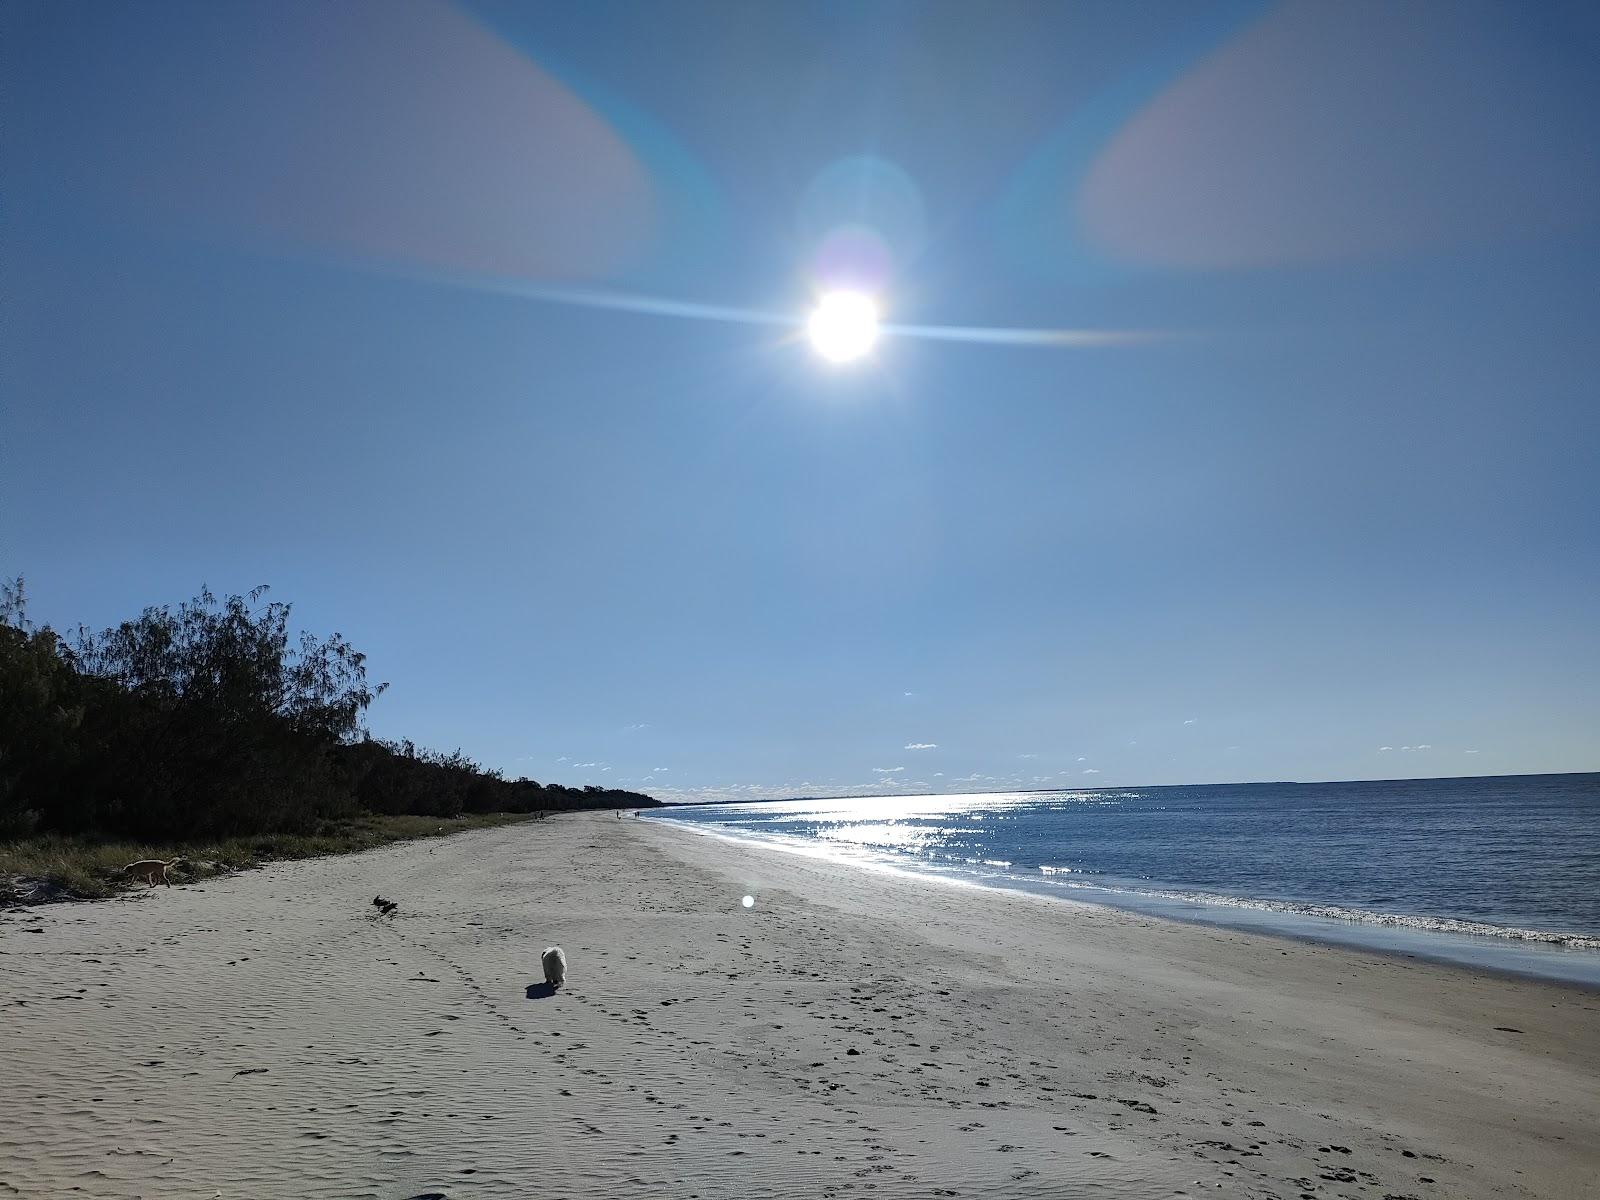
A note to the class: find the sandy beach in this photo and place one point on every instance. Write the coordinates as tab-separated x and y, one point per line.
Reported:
854	1033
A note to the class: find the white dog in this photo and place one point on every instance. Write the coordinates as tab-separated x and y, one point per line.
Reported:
554	962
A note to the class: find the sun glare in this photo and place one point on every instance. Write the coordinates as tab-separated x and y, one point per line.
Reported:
844	326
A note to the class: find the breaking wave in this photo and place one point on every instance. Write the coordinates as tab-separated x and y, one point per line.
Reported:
1336	912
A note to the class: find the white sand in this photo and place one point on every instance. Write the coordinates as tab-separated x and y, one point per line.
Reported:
269	1036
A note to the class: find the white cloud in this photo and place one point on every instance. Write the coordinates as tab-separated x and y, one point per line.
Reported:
636	728
605	768
1471	751
940	774
661	768
1191	721
1414	749
1092	771
1381	749
581	766
887	770
922	745
1027	756
909	693
1083	758
563	758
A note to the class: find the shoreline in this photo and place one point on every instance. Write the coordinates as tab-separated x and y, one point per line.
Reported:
852	1028
1546	958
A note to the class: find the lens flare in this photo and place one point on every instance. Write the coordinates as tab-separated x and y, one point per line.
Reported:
696	310
844	326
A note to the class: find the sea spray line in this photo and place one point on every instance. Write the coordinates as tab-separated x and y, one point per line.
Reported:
1337	912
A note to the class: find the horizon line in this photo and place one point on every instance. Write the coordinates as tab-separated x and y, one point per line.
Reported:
1122	787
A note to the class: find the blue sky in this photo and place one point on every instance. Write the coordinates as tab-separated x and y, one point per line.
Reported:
284	304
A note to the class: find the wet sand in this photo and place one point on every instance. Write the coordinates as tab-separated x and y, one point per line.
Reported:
854	1033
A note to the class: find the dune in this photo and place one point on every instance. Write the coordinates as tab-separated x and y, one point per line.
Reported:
852	1033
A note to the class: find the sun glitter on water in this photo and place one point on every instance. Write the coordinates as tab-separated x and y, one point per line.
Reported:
844	326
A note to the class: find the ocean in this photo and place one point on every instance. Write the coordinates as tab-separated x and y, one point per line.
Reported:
1497	872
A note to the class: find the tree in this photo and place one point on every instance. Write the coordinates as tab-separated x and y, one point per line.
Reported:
215	723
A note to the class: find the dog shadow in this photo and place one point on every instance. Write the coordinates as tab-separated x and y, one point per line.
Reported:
541	991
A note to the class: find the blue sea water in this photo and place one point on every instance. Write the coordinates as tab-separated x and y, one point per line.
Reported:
1500	872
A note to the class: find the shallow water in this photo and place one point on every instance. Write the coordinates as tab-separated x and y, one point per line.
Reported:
1500	872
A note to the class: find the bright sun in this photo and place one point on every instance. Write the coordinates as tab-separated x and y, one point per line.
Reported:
844	326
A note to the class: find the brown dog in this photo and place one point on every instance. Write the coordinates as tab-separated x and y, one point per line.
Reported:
150	870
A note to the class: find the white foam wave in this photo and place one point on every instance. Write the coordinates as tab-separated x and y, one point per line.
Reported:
1358	916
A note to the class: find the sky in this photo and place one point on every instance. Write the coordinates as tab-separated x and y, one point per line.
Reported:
475	330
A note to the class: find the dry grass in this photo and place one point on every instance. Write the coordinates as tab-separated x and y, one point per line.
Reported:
39	869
